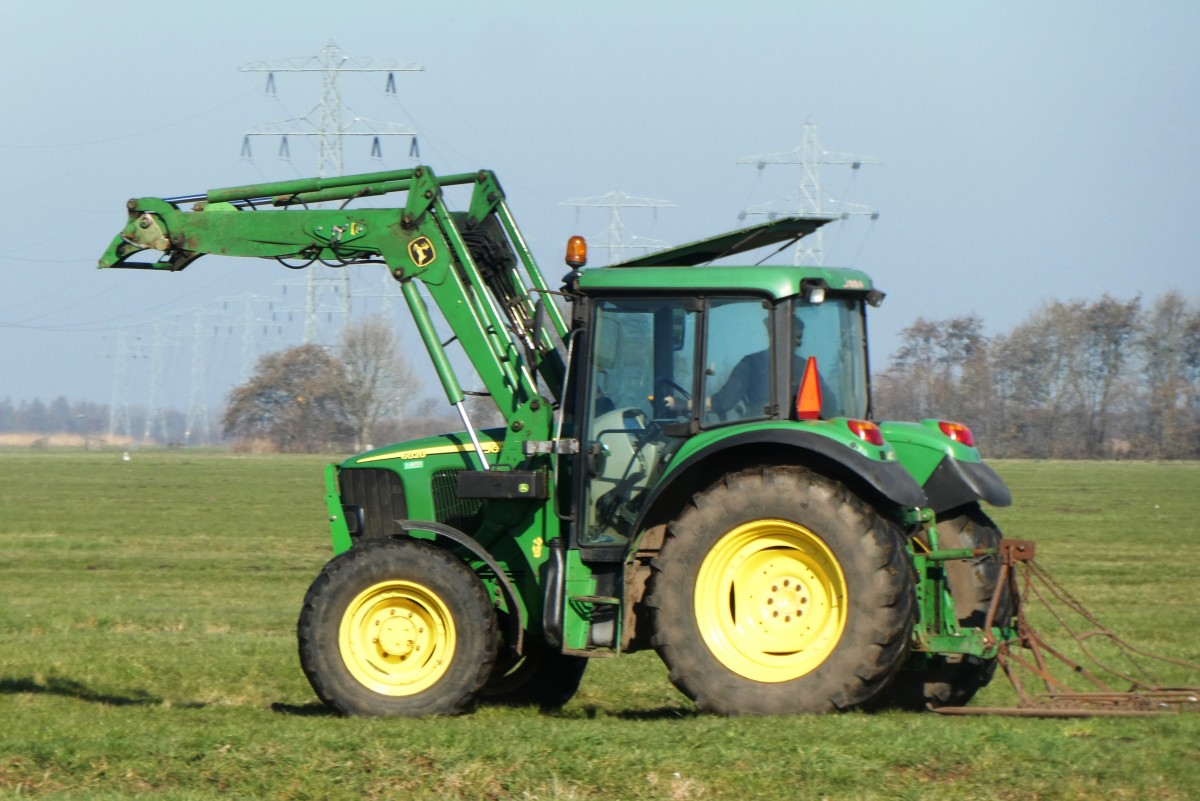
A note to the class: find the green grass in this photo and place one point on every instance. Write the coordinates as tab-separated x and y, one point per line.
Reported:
147	613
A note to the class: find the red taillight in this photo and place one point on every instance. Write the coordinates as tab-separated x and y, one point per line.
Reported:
866	431
808	399
957	432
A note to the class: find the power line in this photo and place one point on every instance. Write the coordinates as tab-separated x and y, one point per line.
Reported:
134	135
155	412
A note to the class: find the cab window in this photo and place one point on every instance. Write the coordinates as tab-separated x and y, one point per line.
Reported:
834	334
737	359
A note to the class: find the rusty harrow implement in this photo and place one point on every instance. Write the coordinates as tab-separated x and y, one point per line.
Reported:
1103	676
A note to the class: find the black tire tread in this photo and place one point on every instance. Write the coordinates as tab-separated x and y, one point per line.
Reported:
870	650
410	559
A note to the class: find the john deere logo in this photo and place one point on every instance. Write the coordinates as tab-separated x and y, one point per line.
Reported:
421	251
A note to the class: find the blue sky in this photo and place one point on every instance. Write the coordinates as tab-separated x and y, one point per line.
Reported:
1029	151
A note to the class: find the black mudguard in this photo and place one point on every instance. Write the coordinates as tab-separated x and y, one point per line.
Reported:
515	623
954	483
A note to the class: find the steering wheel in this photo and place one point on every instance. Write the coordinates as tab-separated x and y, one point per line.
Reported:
665	404
680	391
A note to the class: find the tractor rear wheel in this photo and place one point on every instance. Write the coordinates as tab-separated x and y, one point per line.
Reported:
397	627
971	583
778	591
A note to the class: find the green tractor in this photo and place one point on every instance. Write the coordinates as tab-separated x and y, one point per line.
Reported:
687	463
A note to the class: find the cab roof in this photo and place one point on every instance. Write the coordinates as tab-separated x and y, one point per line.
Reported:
703	251
662	269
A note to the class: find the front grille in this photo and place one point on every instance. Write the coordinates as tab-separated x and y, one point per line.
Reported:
378	493
464	514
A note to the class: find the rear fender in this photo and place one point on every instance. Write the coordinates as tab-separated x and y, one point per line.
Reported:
885	484
951	473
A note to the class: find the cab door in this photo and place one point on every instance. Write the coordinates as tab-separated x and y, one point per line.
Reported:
640	382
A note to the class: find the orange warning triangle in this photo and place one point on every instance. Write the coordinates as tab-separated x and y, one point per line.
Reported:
808	399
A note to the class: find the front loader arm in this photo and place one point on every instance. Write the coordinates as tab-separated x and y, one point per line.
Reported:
225	230
491	310
211	227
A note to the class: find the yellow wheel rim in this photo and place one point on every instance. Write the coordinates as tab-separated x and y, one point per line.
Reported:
771	600
397	638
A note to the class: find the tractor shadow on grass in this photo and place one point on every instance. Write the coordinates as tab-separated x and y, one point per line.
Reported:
658	713
313	710
69	688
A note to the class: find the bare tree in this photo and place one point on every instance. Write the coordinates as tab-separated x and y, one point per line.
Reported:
1076	379
312	398
1108	328
378	381
1026	391
1058	376
941	370
1169	346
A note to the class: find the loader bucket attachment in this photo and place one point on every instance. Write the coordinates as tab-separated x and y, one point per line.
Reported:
146	230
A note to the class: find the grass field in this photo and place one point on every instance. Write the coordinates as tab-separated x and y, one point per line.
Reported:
147	613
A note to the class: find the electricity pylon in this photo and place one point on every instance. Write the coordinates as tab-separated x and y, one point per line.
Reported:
616	238
196	422
331	112
118	407
810	201
331	126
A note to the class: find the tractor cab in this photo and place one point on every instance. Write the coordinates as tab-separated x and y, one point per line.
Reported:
679	350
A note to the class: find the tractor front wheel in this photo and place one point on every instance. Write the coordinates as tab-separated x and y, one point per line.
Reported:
397	627
778	591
